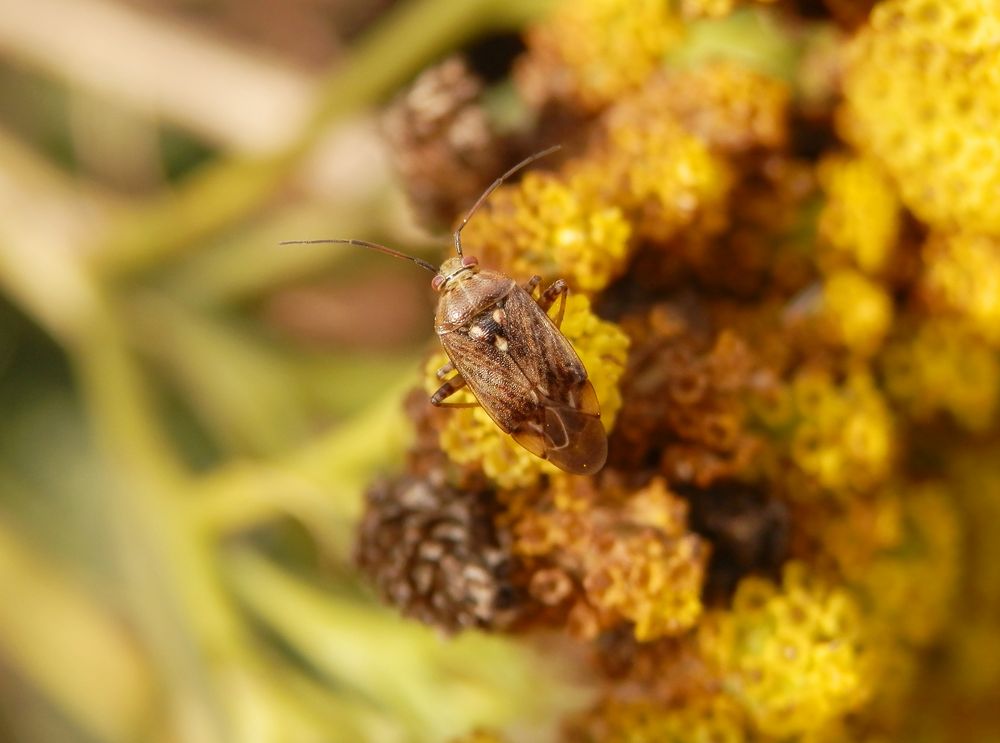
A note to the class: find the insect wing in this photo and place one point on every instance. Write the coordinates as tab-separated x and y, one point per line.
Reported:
567	427
491	374
530	381
575	441
542	353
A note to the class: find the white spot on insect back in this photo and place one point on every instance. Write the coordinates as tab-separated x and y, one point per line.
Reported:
501	343
476	332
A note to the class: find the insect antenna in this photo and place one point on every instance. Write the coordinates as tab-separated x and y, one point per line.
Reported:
371	246
496	184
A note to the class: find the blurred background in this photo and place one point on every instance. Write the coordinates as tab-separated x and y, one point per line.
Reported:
777	223
189	411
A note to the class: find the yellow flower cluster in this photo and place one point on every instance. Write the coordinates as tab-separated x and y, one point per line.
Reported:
809	319
732	108
860	219
552	226
843	437
651	576
923	98
962	275
647	178
715	719
944	367
795	657
661	175
590	53
856	312
632	560
470	436
900	551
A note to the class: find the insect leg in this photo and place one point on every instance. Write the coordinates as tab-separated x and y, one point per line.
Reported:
532	284
446	390
445	370
558	290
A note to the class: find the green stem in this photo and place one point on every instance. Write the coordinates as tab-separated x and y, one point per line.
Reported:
320	484
437	689
48	625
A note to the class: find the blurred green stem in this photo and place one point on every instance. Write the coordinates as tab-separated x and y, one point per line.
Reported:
320	483
223	194
49	625
438	689
175	599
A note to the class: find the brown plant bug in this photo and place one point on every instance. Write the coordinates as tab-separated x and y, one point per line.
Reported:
503	345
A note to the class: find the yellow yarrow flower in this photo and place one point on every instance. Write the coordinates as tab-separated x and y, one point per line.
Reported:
856	312
663	177
794	656
553	227
962	273
651	574
844	437
471	436
714	719
923	97
944	367
591	52
859	223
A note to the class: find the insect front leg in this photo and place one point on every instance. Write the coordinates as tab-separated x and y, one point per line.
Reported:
532	284
445	370
558	290
449	388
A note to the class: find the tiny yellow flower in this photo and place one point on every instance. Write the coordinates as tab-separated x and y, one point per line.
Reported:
859	223
794	656
554	227
923	98
944	367
591	52
844	439
857	312
962	273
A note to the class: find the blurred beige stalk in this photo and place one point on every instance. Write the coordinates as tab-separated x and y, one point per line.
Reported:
241	99
48	624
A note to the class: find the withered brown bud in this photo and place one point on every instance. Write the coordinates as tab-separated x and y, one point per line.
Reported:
442	142
435	553
748	532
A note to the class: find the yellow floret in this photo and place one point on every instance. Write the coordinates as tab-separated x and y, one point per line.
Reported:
663	177
857	312
471	436
962	273
923	98
651	574
900	551
859	223
844	437
715	719
945	367
632	555
552	227
591	52
727	105
795	657
654	584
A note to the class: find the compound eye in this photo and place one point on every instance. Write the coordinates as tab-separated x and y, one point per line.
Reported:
437	282
469	261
